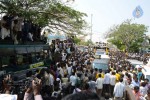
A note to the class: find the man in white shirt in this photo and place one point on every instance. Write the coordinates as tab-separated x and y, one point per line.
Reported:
107	82
51	78
73	81
119	90
112	83
69	69
61	72
8	97
64	55
99	85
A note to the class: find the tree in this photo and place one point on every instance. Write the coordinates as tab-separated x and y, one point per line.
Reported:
53	13
77	40
127	36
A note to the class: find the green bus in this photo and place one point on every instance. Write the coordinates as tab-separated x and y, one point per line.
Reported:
20	57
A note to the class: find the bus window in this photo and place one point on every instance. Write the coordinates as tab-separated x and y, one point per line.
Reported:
19	59
33	57
5	61
25	58
30	58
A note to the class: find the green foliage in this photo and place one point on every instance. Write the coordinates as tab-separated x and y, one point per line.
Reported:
127	36
86	43
53	13
77	40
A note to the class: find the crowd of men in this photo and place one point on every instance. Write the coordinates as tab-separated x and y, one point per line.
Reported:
18	29
72	77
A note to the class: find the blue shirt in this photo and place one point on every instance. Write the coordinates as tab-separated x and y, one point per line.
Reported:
135	83
139	75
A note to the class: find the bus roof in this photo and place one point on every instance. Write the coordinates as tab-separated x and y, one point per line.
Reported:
104	61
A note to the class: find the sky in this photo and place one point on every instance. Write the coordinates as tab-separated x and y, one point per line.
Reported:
107	13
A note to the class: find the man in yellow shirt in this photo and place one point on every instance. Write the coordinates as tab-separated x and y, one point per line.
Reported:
117	76
100	72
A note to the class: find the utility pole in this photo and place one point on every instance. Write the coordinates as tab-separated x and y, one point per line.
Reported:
91	27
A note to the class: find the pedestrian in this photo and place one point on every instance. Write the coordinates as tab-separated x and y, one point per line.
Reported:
99	85
112	83
147	96
119	90
143	89
73	81
106	82
135	82
137	93
92	85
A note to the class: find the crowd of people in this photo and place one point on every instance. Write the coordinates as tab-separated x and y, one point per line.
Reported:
18	29
129	75
72	77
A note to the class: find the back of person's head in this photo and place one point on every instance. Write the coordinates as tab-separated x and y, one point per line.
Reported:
108	71
73	73
91	71
121	80
100	70
126	74
99	75
143	84
146	80
136	88
90	78
117	71
86	86
129	76
96	69
79	75
42	72
113	73
87	71
82	96
65	75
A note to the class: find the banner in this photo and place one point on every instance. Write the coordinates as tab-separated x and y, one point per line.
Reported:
36	65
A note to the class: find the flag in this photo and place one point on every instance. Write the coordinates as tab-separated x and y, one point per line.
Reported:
138	12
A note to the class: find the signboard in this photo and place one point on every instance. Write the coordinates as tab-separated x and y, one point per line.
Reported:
36	65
